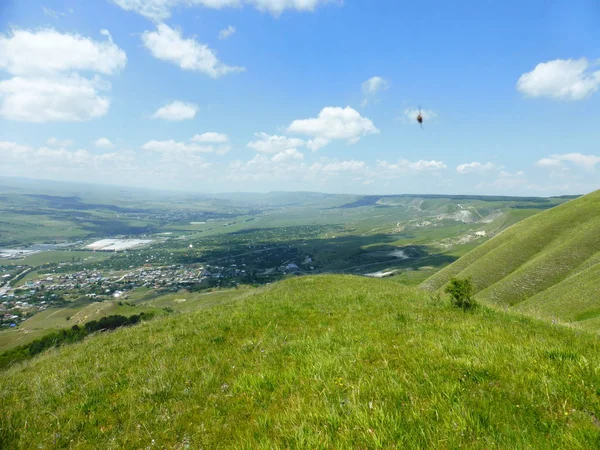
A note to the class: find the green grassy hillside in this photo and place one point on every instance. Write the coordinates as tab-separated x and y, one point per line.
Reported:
314	362
548	264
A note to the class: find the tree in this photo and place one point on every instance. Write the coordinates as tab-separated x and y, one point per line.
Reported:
461	292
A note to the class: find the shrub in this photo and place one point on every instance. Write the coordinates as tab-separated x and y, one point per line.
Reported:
461	292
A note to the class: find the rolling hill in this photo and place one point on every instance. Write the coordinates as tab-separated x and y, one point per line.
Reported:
314	362
547	265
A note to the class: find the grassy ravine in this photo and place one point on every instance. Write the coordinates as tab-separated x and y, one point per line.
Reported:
547	265
314	362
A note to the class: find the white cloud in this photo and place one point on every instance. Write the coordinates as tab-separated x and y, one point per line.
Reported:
372	87
561	80
185	149
339	166
549	162
317	143
50	159
167	44
12	148
276	7
47	85
50	12
31	53
334	123
103	143
475	167
506	181
176	111
211	137
55	14
273	144
410	115
289	166
288	155
71	98
404	166
587	162
171	146
227	32
54	142
159	10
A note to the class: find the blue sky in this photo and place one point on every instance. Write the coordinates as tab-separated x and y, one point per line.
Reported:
258	95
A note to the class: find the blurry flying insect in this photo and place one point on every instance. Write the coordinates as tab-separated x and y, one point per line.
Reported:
420	118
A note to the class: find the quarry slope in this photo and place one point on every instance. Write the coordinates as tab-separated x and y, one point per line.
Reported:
314	362
546	265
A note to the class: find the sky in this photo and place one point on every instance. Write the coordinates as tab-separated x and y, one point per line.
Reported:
312	95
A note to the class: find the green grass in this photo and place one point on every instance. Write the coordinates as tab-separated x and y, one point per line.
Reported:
547	264
54	318
139	300
314	362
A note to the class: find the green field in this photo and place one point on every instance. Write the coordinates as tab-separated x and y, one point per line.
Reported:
547	265
314	362
53	319
139	300
54	257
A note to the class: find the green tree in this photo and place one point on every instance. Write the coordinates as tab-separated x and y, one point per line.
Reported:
461	292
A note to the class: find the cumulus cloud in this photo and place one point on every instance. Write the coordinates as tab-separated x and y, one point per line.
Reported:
285	165
171	146
176	111
475	167
506	181
290	154
587	162
272	144
289	166
334	123
46	51
124	167
560	80
404	166
46	84
168	45
339	166
12	148
51	158
55	142
211	137
372	87
103	143
159	10
227	32
71	98
185	149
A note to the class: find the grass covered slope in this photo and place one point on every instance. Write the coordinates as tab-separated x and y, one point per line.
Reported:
560	245
314	362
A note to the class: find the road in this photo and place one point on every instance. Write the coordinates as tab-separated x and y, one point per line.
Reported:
4	289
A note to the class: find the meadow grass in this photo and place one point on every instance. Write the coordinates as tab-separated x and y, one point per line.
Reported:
56	318
545	262
314	362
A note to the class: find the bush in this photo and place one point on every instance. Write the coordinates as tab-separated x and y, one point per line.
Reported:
461	292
